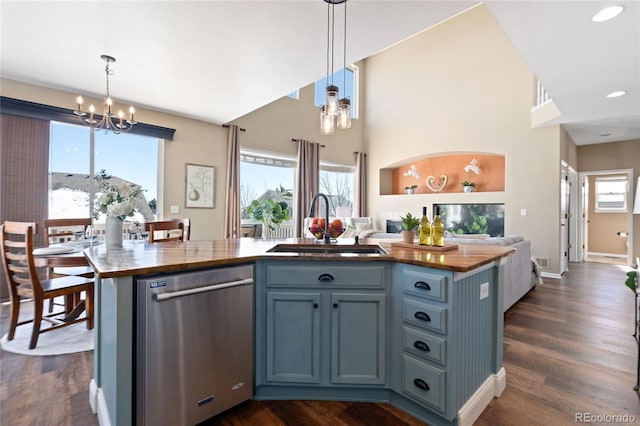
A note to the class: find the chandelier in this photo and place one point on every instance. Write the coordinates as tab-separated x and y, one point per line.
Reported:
335	111
109	120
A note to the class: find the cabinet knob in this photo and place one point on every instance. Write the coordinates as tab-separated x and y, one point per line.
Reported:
335	305
325	277
422	346
421	384
422	285
315	306
422	316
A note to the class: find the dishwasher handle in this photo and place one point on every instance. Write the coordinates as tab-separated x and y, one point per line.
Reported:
161	297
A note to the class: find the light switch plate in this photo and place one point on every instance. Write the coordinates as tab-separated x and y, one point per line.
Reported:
484	290
175	209
523	212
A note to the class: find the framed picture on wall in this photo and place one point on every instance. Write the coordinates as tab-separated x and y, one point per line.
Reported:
200	186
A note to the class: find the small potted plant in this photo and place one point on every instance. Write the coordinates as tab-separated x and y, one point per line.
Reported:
412	173
411	189
472	167
468	186
409	222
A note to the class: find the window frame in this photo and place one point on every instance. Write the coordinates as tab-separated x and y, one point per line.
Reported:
598	207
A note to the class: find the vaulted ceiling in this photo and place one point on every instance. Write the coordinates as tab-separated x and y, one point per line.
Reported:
219	60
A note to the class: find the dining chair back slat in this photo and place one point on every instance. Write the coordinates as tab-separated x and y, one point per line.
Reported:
165	230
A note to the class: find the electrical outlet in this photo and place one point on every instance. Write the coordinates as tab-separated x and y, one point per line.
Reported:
523	212
484	290
175	209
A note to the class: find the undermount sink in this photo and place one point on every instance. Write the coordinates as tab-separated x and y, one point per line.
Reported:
328	249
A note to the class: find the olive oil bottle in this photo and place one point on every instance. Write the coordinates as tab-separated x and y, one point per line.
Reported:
424	231
437	229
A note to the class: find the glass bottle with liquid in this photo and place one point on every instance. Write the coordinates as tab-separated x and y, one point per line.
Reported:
437	229
424	230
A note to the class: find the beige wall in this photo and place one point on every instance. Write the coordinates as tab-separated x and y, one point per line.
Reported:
194	142
614	156
568	150
462	87
272	127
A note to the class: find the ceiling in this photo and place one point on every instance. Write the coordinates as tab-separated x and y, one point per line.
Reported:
219	60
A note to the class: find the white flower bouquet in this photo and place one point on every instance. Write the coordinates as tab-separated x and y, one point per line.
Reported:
115	200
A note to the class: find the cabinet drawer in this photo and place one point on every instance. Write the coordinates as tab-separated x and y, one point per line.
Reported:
425	316
323	276
423	382
424	284
424	345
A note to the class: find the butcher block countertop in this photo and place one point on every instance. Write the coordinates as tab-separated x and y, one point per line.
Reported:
137	258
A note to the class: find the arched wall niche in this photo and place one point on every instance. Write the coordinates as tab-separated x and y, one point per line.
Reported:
394	178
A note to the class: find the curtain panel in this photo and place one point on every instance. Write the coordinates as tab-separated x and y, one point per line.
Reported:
24	175
307	181
360	192
232	194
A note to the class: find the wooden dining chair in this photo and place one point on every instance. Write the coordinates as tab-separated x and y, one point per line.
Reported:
168	230
63	230
16	245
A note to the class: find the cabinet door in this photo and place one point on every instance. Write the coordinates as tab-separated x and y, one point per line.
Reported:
293	337
358	338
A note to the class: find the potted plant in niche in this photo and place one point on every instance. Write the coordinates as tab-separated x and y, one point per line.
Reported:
472	167
413	174
409	223
271	211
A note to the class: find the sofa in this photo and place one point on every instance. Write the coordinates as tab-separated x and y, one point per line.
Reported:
520	272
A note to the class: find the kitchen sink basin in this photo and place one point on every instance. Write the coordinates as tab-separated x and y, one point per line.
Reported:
328	249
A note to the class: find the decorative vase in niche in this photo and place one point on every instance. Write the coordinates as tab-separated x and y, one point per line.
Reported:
468	188
410	191
113	232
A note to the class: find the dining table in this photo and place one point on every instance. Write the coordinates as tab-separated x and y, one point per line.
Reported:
65	255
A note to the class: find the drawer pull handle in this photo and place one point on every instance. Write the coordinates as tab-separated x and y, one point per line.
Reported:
325	277
422	285
422	316
422	346
421	384
315	306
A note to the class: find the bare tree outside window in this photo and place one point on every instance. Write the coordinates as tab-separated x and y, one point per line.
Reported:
339	189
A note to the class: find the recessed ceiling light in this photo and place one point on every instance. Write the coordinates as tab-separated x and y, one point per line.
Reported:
617	94
607	13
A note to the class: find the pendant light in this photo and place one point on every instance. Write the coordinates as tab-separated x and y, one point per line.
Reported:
109	121
331	108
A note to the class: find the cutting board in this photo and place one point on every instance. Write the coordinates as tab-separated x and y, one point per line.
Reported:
446	247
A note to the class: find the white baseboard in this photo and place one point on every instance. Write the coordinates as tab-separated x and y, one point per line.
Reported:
551	275
93	396
594	253
98	404
492	387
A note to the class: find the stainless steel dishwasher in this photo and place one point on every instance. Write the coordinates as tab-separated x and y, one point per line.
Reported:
194	344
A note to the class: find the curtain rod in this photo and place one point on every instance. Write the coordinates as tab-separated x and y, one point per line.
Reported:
298	140
239	128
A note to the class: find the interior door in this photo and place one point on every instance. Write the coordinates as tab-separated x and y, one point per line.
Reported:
564	220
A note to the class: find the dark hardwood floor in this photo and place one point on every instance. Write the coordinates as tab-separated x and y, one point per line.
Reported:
568	348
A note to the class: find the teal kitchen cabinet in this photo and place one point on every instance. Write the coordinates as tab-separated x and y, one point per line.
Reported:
324	323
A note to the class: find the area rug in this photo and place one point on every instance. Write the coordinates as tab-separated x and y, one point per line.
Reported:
66	340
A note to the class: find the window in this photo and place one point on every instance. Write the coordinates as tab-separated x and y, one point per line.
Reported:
339	80
260	174
337	181
294	95
611	194
130	157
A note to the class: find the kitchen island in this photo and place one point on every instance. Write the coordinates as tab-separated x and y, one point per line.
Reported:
419	329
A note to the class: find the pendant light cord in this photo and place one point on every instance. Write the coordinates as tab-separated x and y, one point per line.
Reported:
344	52
328	29
333	37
